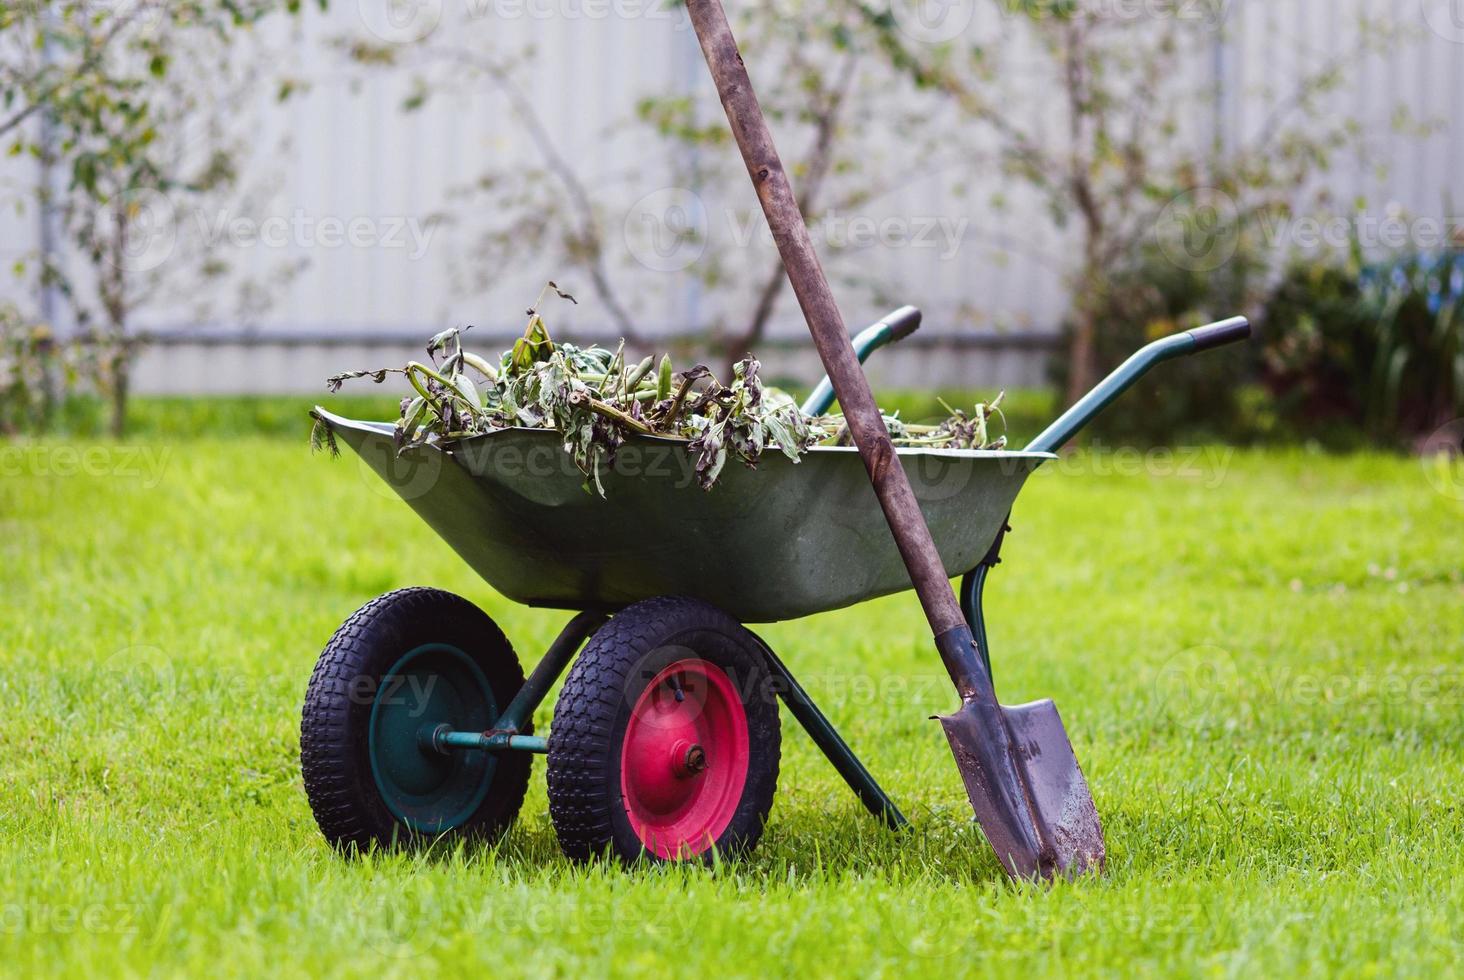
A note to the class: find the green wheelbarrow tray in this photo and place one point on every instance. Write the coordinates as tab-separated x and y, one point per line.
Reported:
777	542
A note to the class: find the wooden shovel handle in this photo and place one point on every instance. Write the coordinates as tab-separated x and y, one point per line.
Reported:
825	322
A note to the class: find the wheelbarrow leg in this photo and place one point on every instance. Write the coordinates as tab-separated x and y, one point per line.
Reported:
550	666
973	586
833	746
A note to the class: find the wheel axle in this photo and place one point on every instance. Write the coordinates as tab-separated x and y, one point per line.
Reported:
688	760
443	738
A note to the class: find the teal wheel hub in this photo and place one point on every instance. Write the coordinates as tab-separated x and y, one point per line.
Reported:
434	685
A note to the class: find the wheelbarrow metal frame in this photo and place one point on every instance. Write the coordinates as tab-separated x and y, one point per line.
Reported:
504	734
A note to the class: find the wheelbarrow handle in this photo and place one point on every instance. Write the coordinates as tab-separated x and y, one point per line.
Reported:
895	326
1222	333
1085	409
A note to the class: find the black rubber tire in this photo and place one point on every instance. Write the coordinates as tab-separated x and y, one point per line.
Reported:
594	706
334	726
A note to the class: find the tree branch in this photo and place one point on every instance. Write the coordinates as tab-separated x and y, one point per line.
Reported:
93	56
587	225
817	165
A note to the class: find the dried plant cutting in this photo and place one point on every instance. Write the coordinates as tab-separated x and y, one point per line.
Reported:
596	399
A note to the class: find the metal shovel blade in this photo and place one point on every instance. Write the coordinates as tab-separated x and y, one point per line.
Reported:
1026	788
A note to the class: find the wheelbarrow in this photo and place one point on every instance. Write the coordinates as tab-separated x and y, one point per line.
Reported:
665	738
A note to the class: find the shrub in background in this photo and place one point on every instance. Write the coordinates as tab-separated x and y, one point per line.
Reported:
1190	398
22	373
1348	353
38	376
1318	340
1417	378
1375	352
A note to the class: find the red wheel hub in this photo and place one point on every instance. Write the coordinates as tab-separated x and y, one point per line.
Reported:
684	762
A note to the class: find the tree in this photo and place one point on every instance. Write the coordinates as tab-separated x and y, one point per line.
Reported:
1087	107
125	98
1124	159
822	86
821	83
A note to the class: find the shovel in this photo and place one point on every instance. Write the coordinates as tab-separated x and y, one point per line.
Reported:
1017	763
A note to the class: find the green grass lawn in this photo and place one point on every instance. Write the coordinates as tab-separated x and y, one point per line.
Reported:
1260	660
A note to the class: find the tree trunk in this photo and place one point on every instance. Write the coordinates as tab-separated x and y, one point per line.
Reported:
121	378
1080	351
114	300
1084	117
1088	301
817	166
734	348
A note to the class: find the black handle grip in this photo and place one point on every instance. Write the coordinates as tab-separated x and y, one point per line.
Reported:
1220	334
902	323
